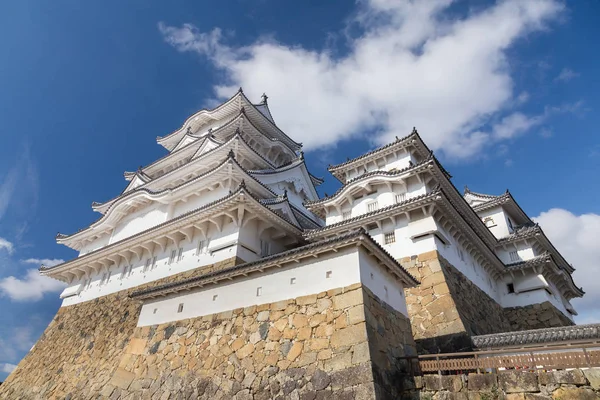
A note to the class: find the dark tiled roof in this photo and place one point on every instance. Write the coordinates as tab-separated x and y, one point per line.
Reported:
247	267
521	232
482	195
413	134
538	336
532	261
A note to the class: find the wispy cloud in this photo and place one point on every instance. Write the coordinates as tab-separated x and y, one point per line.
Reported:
21	180
566	75
369	87
6	245
47	262
31	287
7	368
576	237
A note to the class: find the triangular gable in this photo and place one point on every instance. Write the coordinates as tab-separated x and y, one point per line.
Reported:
284	209
187	139
208	145
136	182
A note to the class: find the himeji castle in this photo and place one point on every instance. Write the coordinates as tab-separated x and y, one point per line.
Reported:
219	270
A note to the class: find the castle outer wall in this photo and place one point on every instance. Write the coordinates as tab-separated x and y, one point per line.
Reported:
446	309
341	342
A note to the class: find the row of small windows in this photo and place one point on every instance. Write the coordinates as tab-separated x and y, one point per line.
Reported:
259	291
374	205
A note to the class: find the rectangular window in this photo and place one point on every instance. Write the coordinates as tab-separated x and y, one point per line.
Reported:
259	291
389	238
400	197
514	256
265	248
292	281
215	296
180	254
148	264
328	274
180	308
372	206
153	262
346	215
510	287
172	257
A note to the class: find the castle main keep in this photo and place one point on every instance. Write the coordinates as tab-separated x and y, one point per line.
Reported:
220	273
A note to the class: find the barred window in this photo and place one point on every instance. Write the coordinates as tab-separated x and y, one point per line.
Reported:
346	215
400	197
389	238
180	254
173	255
373	206
514	256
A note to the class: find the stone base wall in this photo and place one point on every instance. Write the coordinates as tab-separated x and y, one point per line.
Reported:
510	385
389	338
343	343
446	309
536	316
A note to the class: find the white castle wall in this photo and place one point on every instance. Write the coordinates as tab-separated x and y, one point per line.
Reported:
400	161
309	276
382	195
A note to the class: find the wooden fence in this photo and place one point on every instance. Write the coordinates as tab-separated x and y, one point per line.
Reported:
542	358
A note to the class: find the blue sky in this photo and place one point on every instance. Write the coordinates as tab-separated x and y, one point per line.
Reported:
506	93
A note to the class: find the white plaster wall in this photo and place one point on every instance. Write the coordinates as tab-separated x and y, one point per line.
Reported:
139	221
500	227
400	161
383	197
404	246
310	277
523	251
529	282
95	244
162	269
198	201
530	297
388	288
469	266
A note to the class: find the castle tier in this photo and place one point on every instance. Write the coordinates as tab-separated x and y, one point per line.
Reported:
218	272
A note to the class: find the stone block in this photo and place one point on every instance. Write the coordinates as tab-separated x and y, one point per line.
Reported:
432	382
518	381
429	255
295	351
136	346
347	299
593	375
349	336
572	377
351	376
452	383
432	280
122	378
568	393
360	353
482	382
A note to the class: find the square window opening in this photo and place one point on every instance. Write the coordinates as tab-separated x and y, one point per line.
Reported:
328	274
292	281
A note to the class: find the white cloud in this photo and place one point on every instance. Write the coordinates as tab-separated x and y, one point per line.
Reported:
31	288
5	244
566	75
7	368
413	65
576	237
47	262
